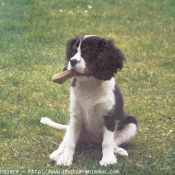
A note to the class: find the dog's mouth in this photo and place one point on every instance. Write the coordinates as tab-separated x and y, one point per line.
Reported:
87	72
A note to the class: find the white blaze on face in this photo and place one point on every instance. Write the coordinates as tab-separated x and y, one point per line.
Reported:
81	65
86	36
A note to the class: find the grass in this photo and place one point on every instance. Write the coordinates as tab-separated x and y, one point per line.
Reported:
32	48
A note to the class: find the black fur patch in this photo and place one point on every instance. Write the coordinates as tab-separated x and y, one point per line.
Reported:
130	119
109	122
70	49
109	60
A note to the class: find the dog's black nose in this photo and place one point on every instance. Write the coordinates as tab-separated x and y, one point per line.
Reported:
73	62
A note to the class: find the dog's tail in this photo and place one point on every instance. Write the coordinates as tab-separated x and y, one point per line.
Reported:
51	123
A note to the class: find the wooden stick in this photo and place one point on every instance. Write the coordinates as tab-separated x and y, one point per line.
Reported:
63	76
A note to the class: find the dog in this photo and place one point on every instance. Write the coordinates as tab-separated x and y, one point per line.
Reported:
96	104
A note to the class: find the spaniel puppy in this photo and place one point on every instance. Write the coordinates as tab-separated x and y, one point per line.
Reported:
96	103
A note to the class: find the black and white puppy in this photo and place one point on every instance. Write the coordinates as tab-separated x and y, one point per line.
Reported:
96	103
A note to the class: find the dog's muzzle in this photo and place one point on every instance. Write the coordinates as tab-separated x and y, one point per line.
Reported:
73	62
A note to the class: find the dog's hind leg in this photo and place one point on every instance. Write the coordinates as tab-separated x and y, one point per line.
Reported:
124	134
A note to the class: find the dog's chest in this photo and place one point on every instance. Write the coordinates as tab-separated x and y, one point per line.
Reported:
94	100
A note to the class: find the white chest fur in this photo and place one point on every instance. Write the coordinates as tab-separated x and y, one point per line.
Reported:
91	100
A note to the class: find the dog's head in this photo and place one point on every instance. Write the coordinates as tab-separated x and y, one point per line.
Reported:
93	56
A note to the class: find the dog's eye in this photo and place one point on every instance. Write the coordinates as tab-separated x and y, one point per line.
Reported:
74	47
85	48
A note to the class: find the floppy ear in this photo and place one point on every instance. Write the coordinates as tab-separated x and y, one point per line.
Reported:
69	51
109	61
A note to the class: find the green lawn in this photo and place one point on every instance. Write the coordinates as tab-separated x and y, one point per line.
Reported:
33	34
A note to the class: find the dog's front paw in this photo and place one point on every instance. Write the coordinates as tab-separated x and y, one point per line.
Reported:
108	161
62	158
55	154
120	151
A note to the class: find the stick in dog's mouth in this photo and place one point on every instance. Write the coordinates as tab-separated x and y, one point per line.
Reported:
67	74
63	76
